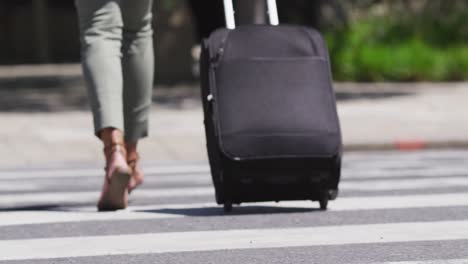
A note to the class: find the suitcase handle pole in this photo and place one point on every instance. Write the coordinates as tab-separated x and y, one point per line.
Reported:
273	12
229	13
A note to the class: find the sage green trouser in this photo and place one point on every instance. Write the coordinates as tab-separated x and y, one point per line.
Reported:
118	63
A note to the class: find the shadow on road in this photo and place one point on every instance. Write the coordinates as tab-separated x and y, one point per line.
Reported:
241	210
42	94
56	94
195	212
47	206
41	207
370	95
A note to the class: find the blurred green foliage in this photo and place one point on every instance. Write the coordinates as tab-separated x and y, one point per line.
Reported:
169	5
386	40
395	41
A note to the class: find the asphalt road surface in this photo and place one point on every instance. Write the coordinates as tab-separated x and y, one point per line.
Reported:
394	207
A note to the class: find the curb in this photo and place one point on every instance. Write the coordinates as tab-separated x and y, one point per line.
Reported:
410	145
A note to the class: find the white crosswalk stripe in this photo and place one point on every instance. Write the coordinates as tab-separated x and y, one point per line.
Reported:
89	196
41	217
62	200
402	173
134	212
202	170
440	261
403	184
80	172
20	186
231	239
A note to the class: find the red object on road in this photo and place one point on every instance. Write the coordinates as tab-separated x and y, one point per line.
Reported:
410	144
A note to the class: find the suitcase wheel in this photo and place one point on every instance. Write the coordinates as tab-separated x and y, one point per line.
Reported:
227	206
324	201
323	204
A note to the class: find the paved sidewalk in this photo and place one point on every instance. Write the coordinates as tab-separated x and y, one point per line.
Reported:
51	122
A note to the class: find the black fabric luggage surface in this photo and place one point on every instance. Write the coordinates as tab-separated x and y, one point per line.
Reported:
270	114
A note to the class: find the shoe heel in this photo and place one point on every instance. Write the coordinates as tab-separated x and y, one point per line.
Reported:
116	197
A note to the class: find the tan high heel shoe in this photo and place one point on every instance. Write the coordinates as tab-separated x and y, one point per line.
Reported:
137	174
114	195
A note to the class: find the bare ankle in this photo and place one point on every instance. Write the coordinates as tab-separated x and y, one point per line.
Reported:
114	146
131	146
110	134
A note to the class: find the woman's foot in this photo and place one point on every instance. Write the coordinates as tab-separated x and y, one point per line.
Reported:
133	159
114	195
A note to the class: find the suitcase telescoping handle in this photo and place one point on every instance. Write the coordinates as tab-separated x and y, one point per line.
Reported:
229	13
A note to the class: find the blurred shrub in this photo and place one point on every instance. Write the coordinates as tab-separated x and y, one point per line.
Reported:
403	43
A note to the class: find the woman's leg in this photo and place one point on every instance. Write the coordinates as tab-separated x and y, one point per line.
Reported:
138	71
137	66
101	36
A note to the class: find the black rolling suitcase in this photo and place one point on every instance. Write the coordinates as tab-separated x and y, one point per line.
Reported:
271	122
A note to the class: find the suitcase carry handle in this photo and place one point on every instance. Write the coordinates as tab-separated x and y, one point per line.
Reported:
229	13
